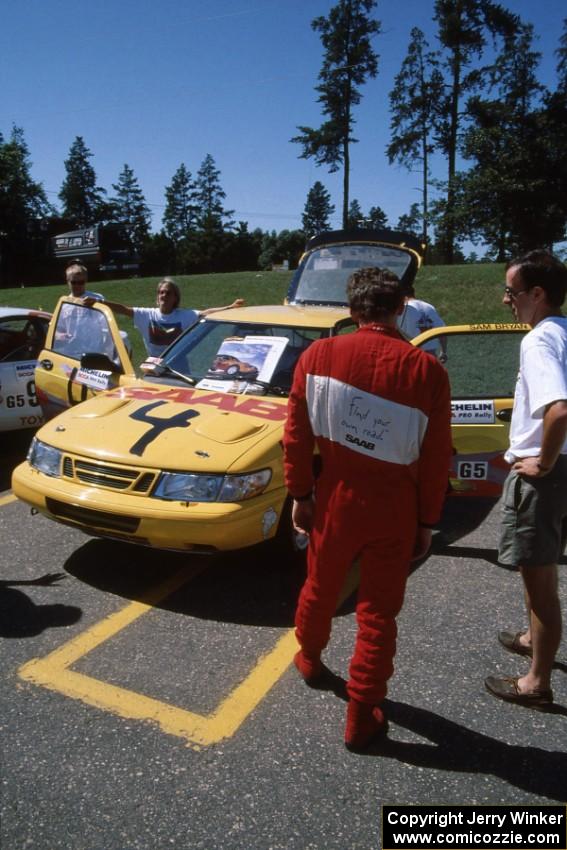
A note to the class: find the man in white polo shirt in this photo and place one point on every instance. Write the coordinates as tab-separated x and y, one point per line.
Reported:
535	492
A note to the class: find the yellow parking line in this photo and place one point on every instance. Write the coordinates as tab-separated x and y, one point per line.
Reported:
198	730
5	500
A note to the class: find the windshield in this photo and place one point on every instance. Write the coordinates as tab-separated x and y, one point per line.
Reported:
323	278
233	356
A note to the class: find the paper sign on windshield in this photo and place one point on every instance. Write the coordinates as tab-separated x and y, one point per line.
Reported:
243	360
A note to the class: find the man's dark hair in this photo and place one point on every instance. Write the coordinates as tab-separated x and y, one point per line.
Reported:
374	294
542	268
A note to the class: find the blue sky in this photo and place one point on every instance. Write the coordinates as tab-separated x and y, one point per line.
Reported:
157	84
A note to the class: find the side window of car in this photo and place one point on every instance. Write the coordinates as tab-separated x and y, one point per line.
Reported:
480	365
18	340
80	330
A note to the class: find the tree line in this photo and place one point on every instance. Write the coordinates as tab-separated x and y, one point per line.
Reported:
473	102
475	99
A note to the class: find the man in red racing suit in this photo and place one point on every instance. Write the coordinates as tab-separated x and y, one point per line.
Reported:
378	410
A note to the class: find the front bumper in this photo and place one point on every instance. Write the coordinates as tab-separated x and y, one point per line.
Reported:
178	526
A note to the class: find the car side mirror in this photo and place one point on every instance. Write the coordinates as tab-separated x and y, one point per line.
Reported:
100	363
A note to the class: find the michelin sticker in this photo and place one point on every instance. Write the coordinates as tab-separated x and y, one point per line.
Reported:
93	378
472	412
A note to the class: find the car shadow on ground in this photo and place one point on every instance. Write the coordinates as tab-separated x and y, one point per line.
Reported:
255	586
455	748
249	587
461	516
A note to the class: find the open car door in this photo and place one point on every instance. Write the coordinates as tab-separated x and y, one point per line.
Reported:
78	333
482	361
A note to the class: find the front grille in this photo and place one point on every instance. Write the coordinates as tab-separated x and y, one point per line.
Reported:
107	475
86	516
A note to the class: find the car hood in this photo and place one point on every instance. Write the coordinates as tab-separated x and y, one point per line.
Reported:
171	428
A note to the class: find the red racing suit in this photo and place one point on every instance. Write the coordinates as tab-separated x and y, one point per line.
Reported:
378	410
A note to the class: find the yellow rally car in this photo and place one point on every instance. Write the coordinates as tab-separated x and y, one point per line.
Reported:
188	460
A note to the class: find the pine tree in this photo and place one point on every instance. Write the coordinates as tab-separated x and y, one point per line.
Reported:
349	60
411	222
561	54
209	198
509	196
130	207
318	209
414	100
83	201
463	26
21	197
355	217
376	218
180	214
22	200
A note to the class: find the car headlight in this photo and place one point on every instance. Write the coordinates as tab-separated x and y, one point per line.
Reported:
45	458
191	487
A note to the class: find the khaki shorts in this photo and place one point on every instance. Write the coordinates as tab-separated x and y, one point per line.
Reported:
534	514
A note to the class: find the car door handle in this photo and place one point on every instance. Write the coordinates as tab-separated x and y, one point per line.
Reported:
46	364
505	415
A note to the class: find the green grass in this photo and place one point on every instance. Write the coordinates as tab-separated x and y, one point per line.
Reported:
462	294
465	294
198	291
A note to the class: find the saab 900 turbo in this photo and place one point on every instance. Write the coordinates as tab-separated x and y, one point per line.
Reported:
189	457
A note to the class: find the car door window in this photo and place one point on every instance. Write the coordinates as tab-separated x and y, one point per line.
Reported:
21	338
80	330
481	365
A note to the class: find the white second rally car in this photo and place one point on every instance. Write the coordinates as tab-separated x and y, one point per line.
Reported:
22	337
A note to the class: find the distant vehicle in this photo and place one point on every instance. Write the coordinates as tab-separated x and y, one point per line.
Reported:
22	337
330	258
104	247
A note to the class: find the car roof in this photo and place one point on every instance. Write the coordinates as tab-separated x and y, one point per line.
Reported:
395	238
16	312
295	315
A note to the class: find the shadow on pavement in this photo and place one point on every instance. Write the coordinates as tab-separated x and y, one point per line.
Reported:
255	586
21	617
458	749
461	515
15	445
249	587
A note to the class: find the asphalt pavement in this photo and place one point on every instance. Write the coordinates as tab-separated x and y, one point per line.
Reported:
165	712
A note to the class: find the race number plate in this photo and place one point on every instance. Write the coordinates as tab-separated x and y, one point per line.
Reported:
472	469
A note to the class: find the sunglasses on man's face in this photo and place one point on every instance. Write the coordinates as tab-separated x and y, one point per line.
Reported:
513	293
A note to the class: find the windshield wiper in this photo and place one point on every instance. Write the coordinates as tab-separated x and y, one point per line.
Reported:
268	388
161	369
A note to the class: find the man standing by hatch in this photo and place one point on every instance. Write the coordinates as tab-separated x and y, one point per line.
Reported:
379	411
534	500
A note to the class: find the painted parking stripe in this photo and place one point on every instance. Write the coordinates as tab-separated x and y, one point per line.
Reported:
5	500
54	672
